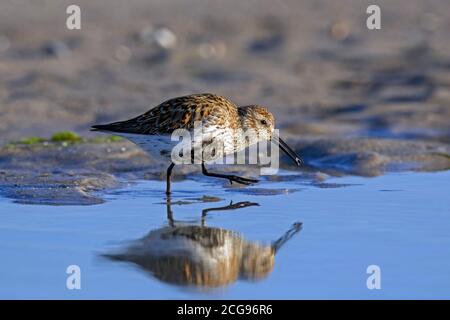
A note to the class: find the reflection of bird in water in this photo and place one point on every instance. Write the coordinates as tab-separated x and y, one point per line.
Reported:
202	256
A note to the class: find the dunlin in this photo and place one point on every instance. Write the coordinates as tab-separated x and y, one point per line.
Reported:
222	124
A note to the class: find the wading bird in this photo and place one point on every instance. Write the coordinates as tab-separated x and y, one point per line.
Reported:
223	123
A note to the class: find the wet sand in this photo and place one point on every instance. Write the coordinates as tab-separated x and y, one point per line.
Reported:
351	101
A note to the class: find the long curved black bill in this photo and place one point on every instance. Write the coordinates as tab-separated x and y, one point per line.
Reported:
296	227
286	149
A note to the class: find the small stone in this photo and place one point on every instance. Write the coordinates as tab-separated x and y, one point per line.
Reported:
165	38
57	49
162	37
340	30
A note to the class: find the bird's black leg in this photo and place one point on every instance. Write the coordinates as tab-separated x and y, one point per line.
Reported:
231	206
170	212
229	177
169	174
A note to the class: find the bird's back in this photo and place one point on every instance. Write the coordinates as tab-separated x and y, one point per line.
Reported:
180	113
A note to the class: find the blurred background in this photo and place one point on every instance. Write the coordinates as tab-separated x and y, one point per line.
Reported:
313	63
349	100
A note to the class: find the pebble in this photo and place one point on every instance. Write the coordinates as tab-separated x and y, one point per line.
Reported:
165	38
57	49
162	36
340	30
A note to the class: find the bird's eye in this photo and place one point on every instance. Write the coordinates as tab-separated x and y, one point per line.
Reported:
264	122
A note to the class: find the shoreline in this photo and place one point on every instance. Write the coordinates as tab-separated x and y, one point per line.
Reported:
61	173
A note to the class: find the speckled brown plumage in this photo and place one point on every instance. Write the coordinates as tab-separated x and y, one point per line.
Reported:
180	113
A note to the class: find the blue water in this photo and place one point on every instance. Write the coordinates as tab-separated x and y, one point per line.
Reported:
399	222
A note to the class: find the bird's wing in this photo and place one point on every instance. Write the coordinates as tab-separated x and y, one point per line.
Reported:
176	113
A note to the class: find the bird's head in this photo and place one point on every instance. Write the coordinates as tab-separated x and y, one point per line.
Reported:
257	120
259	125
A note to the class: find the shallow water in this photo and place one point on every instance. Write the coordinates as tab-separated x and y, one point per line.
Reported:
399	222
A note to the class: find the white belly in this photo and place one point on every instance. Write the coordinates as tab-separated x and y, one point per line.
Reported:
157	146
162	146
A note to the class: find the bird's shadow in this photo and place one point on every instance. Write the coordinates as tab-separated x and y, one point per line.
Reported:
195	255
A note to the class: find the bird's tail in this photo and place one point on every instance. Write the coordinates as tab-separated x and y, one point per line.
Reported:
101	127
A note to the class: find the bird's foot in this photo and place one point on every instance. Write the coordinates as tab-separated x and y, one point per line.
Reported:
241	180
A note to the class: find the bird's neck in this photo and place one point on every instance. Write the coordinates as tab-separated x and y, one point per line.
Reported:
245	136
